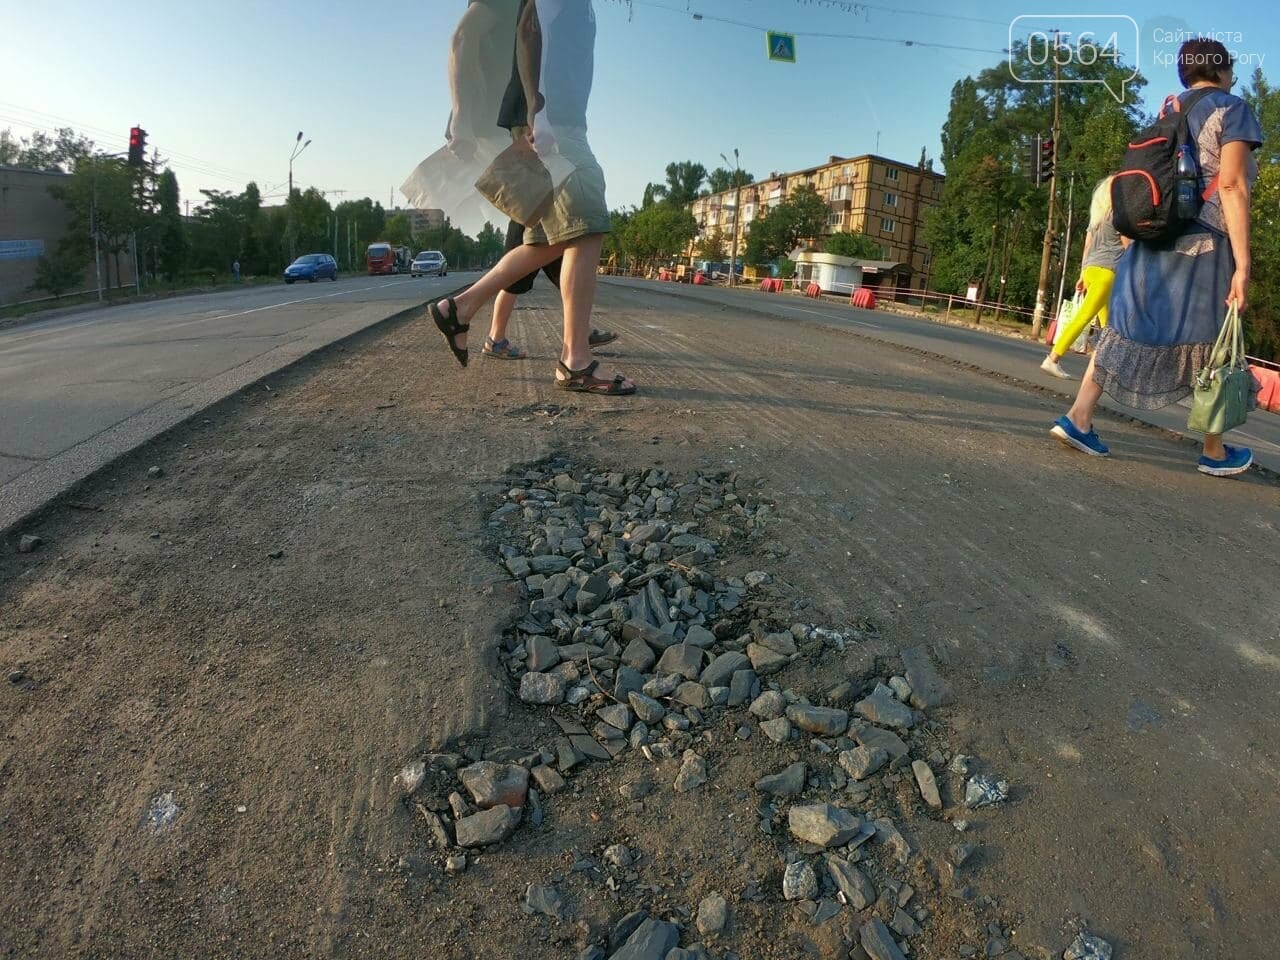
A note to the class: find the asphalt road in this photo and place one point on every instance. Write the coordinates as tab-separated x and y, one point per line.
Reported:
79	390
1007	356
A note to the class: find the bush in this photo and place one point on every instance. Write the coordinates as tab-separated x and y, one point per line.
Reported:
786	269
58	274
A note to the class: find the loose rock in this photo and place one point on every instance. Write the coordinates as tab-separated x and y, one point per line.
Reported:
823	824
862	762
878	941
788	783
543	689
693	772
927	784
488	826
881	708
1087	947
769	705
713	915
982	791
491	784
779	730
652	940
799	882
824	721
852	882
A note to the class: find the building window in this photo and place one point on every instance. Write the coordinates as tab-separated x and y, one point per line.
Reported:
840	192
886	224
890	199
835	219
891	173
885	252
928	258
846	172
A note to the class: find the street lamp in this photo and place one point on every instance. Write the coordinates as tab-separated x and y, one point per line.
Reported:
297	151
737	216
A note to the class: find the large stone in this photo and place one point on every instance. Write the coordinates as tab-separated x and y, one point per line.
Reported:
721	670
878	941
740	687
765	661
683	659
824	721
823	824
692	694
410	777
1087	947
928	689
693	772
713	915
542	688
799	882
788	783
768	705
639	655
616	715
542	653
889	835
782	643
548	779
886	740
882	708
493	783
487	826
778	729
852	882
927	784
544	899
863	762
627	680
652	940
549	564
700	636
647	709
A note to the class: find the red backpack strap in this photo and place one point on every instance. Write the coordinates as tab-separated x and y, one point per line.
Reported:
1211	189
1164	107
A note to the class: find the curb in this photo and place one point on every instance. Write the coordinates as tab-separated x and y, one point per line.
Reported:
72	469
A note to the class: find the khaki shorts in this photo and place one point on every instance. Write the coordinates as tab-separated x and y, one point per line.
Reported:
579	208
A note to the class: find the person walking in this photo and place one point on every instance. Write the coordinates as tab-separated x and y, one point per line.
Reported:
1170	298
1103	246
235	271
563	33
514	117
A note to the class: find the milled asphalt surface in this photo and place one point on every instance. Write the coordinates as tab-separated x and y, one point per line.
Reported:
79	390
1007	356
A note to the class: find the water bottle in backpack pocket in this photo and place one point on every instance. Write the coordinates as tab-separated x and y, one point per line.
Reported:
1156	193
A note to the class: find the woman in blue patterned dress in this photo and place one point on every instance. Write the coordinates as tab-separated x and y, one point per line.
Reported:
1170	298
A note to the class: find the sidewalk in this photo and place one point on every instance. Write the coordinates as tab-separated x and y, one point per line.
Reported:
1009	357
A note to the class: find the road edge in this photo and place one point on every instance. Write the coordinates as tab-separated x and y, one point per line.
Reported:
40	505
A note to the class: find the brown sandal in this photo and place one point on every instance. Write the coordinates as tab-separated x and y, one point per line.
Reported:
585	381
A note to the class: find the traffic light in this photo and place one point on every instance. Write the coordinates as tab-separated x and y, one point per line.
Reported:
137	146
1055	246
1046	160
1031	160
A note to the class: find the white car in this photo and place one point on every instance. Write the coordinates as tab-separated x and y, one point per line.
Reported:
429	262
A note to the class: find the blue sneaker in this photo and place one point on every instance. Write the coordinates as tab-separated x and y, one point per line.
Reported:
1072	436
1237	460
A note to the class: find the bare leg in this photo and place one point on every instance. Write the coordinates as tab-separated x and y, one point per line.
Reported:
578	294
503	304
518	263
1081	412
1213	448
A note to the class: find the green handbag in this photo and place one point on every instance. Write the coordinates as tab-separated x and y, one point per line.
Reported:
1220	394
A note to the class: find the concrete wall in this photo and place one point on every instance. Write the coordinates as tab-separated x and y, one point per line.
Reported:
32	222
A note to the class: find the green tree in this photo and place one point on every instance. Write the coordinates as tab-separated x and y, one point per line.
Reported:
683	186
659	233
719	180
856	245
1265	101
58	153
713	247
490	243
171	234
366	219
115	186
801	216
60	273
396	231
992	118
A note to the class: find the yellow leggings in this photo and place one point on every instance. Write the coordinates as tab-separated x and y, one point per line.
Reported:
1098	282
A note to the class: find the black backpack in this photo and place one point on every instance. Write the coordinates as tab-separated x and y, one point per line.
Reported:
1143	191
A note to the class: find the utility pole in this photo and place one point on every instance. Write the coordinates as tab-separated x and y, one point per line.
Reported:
737	217
1037	318
93	225
1066	242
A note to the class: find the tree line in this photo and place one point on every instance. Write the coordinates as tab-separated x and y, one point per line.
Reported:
142	206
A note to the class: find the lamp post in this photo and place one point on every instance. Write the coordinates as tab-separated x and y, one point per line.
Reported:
297	151
737	216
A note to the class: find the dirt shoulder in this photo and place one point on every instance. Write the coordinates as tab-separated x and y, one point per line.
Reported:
223	667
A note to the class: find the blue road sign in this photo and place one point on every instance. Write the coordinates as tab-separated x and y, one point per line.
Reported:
782	46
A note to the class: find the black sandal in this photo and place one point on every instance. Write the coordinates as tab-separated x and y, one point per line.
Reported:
450	327
585	381
599	338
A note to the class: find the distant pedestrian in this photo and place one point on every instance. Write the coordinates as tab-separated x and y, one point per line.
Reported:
1170	298
1103	246
235	271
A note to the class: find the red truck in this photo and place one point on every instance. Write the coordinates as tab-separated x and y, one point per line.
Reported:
381	259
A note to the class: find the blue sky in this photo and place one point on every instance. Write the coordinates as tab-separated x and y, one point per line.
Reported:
223	89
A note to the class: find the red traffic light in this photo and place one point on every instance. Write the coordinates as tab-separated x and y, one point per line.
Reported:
137	146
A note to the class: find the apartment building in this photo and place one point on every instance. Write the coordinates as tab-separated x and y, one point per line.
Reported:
885	199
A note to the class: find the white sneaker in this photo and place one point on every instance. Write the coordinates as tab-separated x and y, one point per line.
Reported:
1050	366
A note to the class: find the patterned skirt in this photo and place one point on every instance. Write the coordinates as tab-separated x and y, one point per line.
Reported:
1167	307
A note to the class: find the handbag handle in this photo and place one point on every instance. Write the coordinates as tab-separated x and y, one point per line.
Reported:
1230	338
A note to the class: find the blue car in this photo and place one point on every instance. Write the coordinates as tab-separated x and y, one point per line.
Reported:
311	267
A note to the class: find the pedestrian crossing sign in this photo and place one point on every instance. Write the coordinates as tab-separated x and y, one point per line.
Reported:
782	46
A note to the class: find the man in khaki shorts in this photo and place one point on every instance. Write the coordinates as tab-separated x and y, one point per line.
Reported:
563	33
